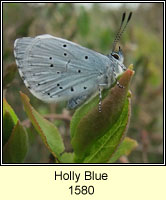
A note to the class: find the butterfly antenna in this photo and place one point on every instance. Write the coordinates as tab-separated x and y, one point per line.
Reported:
120	32
115	40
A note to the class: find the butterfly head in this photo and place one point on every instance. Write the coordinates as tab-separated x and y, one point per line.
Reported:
118	56
117	59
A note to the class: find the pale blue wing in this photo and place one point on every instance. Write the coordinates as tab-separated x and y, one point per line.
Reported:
55	69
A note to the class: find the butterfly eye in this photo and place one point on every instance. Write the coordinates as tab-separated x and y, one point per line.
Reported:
116	56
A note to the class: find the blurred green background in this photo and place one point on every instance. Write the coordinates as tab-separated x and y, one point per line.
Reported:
93	26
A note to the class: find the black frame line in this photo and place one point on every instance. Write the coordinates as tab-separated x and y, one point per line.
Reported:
86	164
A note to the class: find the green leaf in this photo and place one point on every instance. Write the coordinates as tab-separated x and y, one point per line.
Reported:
67	157
125	148
88	125
48	132
8	108
102	150
9	120
16	148
8	126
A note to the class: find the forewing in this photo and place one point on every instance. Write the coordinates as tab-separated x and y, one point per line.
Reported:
55	69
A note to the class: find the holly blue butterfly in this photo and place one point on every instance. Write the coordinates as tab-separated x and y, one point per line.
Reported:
55	69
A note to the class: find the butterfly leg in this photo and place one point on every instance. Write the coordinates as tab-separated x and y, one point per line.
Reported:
100	96
76	101
100	99
117	82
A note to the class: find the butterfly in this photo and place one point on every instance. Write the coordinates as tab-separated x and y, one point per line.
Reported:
55	69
